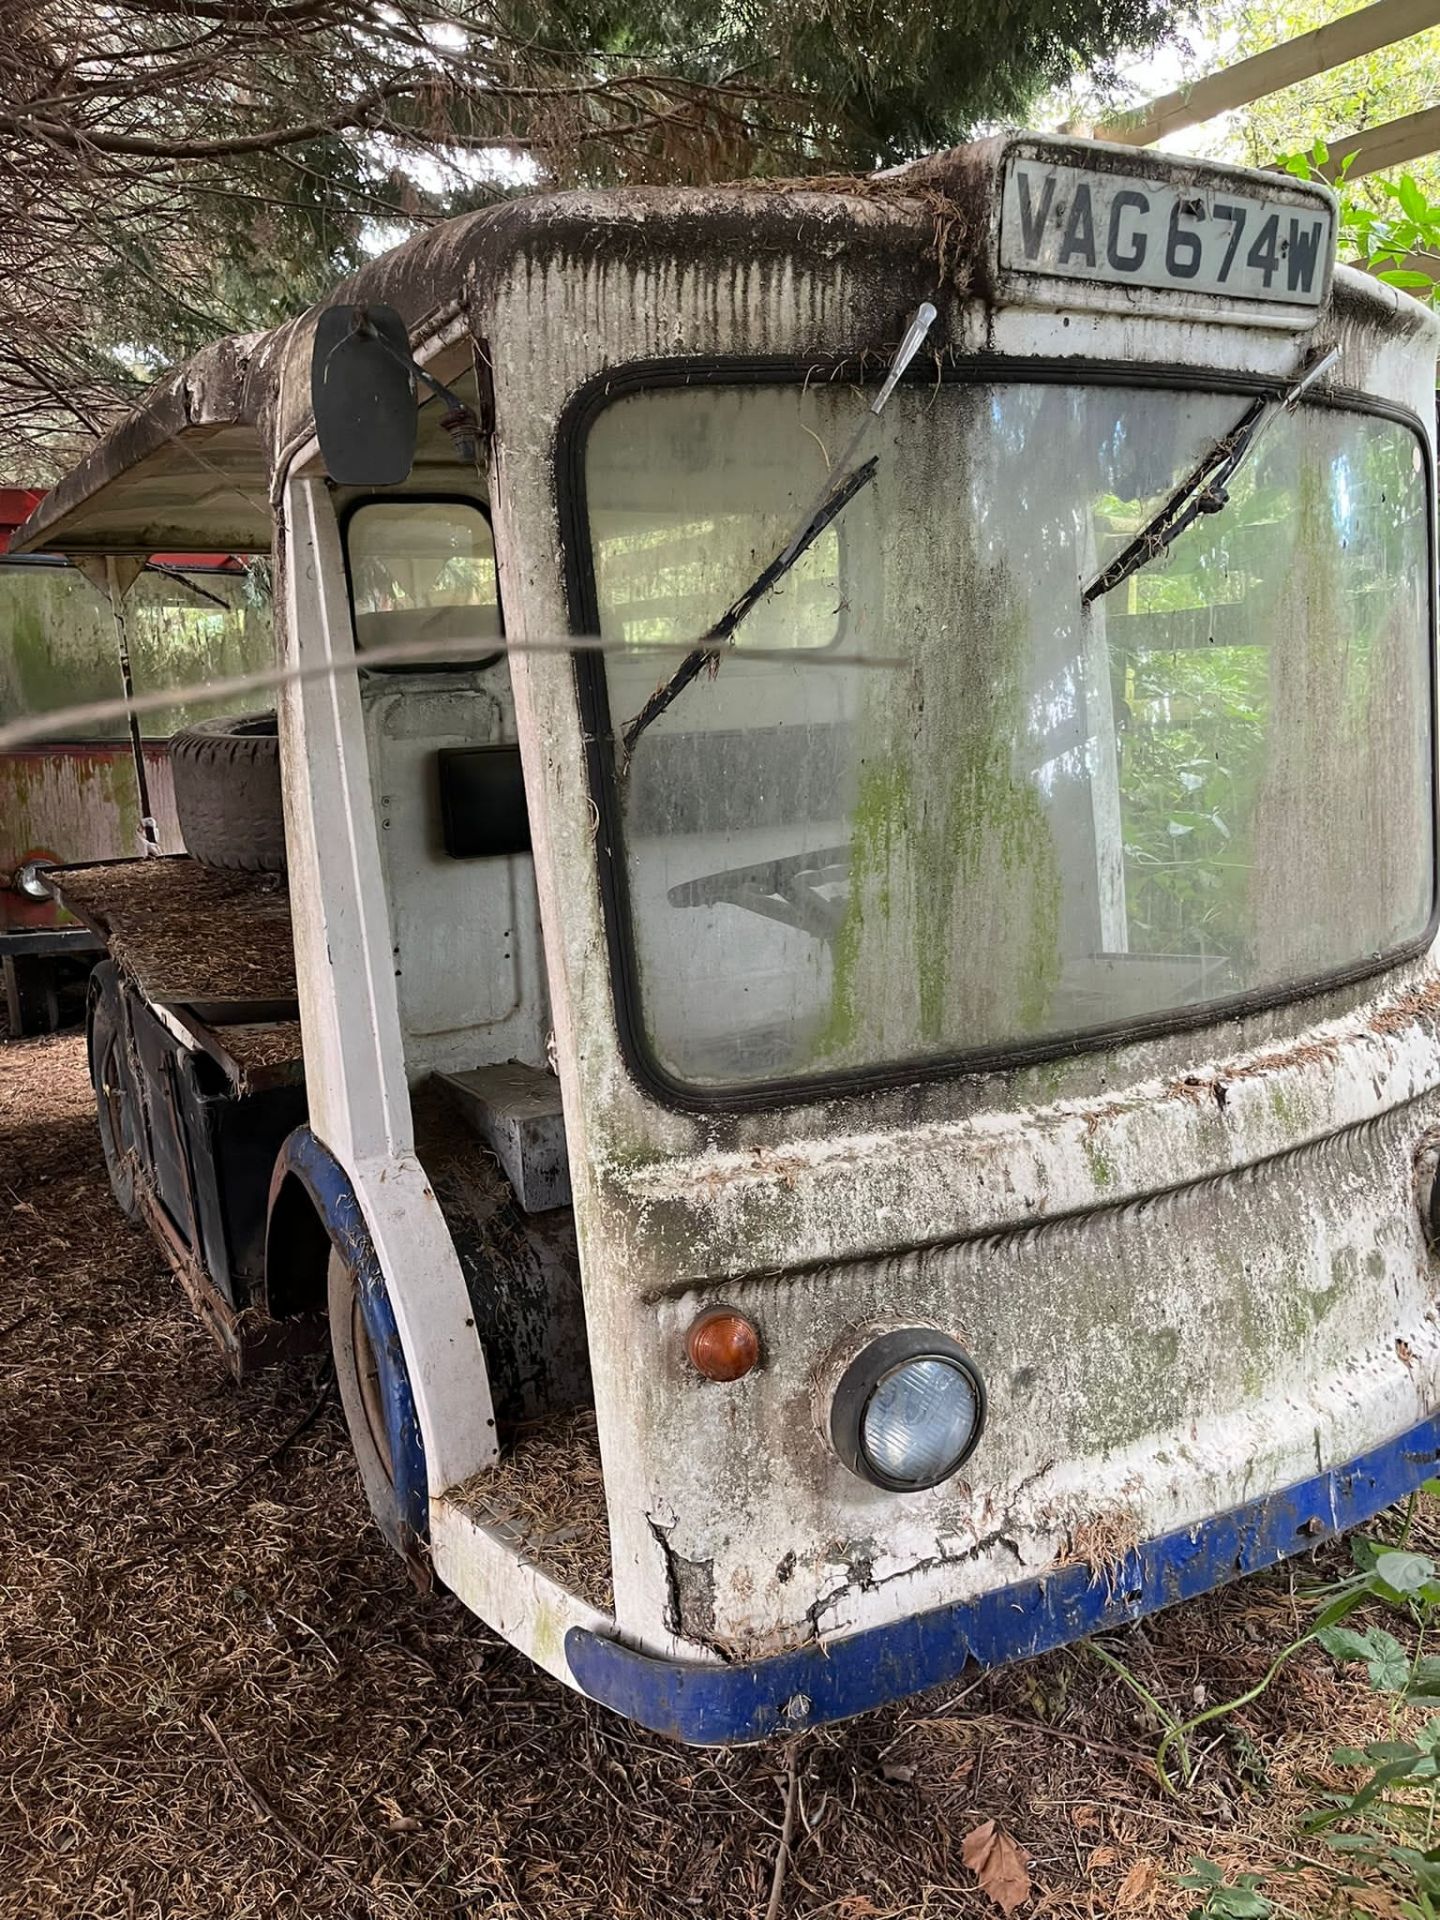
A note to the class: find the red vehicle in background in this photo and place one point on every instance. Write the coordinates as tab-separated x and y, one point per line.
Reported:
85	631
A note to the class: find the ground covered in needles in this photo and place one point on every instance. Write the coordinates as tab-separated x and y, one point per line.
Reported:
219	1696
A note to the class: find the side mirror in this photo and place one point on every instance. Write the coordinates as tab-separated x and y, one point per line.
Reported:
362	393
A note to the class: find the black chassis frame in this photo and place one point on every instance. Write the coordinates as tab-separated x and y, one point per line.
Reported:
204	1154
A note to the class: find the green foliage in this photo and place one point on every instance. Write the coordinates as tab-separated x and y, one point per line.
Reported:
1382	236
1382	86
1225	1899
1384	220
181	169
1387	1823
899	81
882	83
1385	1829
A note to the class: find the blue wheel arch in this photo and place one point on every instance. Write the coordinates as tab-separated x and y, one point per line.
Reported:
725	1704
305	1159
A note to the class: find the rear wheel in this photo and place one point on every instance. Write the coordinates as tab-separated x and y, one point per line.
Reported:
379	1410
114	1102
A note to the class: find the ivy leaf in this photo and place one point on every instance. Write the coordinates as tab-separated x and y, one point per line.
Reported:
1389	1666
1344	1643
1392	1750
1386	1661
1352	1595
1411	198
1405	277
1424	1683
1203	1873
1364	1552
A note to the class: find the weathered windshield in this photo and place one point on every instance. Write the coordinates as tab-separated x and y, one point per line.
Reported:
1049	818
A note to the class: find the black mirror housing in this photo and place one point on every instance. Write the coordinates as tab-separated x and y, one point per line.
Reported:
362	393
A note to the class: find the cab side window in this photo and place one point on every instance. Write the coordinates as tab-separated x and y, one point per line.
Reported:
422	574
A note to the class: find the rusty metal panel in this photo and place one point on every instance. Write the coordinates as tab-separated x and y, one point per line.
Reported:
72	801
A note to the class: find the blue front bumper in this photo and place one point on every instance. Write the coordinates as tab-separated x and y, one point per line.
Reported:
715	1705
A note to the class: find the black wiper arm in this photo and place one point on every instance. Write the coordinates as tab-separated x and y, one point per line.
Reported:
706	651
833	498
1206	489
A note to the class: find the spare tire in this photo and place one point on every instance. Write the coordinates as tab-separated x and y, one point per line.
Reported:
226	775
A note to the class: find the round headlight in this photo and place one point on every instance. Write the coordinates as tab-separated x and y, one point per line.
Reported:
29	880
908	1410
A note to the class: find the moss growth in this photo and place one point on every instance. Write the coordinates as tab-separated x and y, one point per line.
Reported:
80	805
116	781
1288	1108
951	932
1102	1170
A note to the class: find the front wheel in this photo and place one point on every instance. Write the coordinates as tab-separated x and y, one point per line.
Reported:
379	1408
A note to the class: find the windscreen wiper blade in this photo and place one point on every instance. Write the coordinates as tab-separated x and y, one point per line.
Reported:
706	651
829	503
1206	489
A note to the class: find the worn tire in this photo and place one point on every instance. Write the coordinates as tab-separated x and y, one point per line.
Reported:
226	775
114	1109
362	1396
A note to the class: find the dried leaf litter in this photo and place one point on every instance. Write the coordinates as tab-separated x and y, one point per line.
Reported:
220	1699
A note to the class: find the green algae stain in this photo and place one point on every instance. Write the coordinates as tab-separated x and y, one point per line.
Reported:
880	825
121	798
1102	1168
951	932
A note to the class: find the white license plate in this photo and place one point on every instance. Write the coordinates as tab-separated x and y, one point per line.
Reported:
1136	231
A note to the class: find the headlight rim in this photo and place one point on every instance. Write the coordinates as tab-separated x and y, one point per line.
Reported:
27	877
866	1371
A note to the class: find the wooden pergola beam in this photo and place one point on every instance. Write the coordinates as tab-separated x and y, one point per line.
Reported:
1410	138
1357	34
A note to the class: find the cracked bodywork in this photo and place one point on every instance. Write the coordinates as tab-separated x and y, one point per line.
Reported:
1188	1262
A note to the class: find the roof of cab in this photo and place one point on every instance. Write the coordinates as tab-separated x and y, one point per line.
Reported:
195	462
207	437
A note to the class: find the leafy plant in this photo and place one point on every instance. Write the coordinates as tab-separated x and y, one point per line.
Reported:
1388	1822
1384	239
1387	1826
1225	1899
